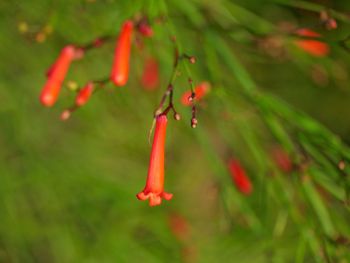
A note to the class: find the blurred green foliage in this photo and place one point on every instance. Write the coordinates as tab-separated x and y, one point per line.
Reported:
67	189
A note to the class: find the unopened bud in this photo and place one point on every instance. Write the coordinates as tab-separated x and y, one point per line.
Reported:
341	165
191	98
72	85
177	116
98	42
331	24
192	59
40	37
65	115
194	122
23	27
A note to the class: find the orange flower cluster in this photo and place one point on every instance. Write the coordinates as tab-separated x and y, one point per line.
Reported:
313	47
120	69
154	189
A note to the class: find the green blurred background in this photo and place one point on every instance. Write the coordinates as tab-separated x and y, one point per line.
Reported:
67	189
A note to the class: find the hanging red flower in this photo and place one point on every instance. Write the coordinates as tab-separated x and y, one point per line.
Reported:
179	226
84	94
56	75
239	177
313	47
282	159
200	91
150	76
154	189
145	29
120	69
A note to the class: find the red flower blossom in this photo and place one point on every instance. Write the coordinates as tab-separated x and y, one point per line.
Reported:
179	226
120	69
239	177
150	76
56	75
145	29
154	189
84	94
200	90
282	159
313	47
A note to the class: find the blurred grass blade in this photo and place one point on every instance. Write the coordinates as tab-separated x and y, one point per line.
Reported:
318	205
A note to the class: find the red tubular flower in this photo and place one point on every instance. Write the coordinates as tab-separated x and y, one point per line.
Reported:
145	29
179	226
154	189
282	159
56	75
150	76
200	90
84	94
120	69
239	177
313	47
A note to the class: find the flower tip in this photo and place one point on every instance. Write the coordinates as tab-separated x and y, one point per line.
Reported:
141	196
128	24
154	198
70	51
247	190
47	100
118	80
167	196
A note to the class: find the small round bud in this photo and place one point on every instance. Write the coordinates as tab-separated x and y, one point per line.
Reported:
40	37
98	42
65	115
331	24
177	116
79	53
72	85
194	122
341	165
23	27
48	29
192	59
145	29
